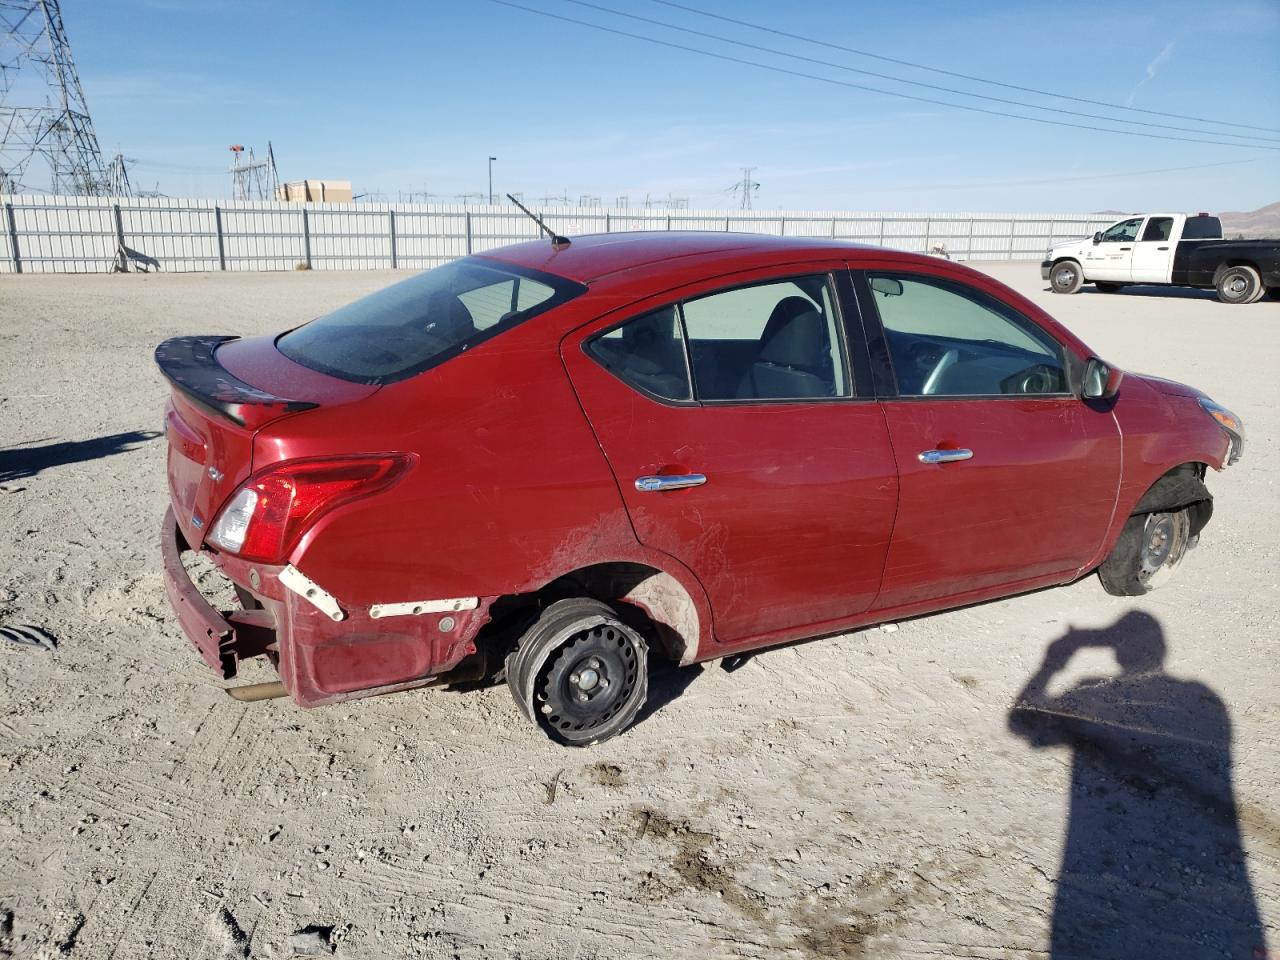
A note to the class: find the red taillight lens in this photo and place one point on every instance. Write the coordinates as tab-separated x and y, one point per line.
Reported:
265	518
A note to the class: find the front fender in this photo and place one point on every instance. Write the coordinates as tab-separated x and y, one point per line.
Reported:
1161	432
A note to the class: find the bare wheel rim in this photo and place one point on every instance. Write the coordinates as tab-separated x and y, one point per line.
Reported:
1164	543
590	680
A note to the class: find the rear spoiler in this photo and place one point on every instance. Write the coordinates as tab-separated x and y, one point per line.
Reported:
189	364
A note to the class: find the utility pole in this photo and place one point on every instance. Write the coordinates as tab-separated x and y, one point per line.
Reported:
59	130
491	159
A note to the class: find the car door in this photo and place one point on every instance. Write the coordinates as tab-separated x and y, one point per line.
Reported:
1005	475
743	447
1110	258
1153	252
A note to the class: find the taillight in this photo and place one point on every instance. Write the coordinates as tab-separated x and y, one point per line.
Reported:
265	518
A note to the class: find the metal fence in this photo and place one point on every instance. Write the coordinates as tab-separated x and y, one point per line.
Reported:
45	234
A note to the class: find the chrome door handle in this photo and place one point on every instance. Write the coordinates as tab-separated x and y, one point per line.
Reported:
943	456
674	482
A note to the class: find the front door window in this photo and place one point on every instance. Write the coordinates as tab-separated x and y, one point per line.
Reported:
1122	232
949	340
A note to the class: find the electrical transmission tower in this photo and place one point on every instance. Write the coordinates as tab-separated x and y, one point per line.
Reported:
42	108
746	187
252	179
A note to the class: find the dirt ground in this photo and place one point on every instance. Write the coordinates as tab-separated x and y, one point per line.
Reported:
869	795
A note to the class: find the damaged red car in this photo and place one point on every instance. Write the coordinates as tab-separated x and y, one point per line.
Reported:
560	463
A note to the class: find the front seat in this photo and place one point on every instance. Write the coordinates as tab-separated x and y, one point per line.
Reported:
794	362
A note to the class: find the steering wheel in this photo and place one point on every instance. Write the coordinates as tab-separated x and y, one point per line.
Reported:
947	361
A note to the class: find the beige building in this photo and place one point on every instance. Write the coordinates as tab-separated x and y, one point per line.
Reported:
318	191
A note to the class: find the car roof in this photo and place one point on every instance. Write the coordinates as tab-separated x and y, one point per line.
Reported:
594	256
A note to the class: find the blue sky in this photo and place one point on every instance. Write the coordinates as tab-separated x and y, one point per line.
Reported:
415	96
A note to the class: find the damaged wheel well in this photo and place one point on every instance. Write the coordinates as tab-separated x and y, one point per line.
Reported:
1182	487
646	598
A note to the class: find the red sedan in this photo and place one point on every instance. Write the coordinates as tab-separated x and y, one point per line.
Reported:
559	461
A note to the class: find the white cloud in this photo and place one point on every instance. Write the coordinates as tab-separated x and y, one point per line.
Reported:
1153	68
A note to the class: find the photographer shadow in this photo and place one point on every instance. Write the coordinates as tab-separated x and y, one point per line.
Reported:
1152	863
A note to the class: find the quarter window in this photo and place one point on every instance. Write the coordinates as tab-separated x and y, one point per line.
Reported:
949	340
647	353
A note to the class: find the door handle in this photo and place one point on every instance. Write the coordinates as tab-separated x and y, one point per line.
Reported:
944	456
673	482
1162	248
1126	248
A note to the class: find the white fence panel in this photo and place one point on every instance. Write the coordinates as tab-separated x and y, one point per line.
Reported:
41	234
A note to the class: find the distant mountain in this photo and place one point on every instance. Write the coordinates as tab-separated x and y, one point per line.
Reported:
1264	222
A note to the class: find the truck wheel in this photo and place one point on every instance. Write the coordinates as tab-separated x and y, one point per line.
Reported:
1107	287
1149	550
1066	277
579	672
1239	284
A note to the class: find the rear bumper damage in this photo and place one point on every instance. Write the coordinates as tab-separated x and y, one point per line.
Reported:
222	640
321	658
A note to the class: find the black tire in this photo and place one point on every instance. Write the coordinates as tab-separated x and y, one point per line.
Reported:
1107	287
579	672
1239	284
1149	550
1066	277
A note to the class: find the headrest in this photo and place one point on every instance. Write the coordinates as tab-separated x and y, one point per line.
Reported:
800	342
783	311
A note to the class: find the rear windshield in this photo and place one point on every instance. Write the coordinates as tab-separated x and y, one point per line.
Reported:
423	321
1202	228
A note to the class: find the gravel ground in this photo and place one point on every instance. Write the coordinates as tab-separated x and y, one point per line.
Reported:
870	795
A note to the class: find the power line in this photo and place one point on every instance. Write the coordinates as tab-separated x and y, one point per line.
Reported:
952	73
913	83
1053	180
861	86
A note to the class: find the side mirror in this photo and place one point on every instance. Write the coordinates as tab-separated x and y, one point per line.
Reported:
1101	380
1097	237
887	285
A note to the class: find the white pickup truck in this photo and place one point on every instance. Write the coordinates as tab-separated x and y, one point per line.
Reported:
1167	248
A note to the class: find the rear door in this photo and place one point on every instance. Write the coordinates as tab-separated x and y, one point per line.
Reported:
1005	475
1111	258
1153	251
742	445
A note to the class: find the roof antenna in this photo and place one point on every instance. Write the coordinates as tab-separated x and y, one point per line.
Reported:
556	239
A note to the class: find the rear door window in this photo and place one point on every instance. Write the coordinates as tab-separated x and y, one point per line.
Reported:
1158	228
769	341
415	324
779	340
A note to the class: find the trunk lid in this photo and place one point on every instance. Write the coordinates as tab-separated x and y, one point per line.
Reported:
224	390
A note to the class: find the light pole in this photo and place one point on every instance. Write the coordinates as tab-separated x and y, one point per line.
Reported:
491	159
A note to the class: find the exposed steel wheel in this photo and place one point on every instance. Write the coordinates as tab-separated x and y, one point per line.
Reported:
1149	550
1066	277
1239	284
580	672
